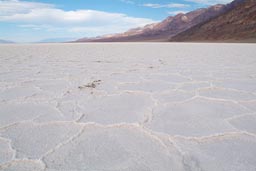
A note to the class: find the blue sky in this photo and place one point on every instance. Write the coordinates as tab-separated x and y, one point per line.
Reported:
35	20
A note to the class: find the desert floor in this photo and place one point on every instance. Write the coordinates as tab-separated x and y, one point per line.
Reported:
128	107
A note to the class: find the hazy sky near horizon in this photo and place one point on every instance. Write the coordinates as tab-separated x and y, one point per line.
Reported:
35	20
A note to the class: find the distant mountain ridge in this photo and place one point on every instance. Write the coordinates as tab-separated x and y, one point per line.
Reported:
237	24
5	41
164	30
56	40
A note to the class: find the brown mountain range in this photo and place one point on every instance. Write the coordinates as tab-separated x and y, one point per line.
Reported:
235	21
164	30
238	24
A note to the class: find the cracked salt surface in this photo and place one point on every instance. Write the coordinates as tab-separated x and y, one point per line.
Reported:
189	108
23	165
115	148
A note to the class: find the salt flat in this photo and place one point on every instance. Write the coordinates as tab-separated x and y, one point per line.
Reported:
128	107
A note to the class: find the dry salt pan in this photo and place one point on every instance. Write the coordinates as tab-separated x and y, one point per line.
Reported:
127	107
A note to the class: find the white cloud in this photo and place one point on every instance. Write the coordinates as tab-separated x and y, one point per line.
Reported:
40	27
10	7
84	17
128	1
177	12
33	15
210	2
171	5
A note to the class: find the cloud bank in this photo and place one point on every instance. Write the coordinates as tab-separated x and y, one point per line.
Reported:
171	5
44	16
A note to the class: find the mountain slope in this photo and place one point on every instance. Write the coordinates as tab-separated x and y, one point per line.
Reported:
162	31
237	24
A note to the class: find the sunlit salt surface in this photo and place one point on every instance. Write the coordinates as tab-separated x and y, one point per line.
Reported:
128	107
